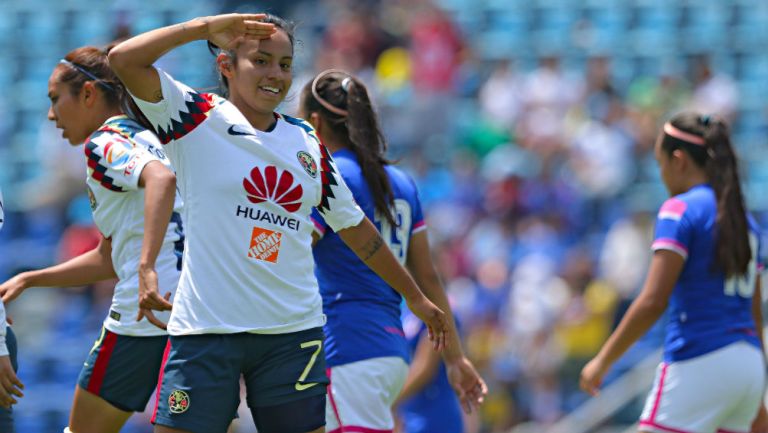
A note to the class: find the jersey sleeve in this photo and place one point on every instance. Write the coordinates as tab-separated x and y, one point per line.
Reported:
115	162
337	204
181	110
673	228
418	215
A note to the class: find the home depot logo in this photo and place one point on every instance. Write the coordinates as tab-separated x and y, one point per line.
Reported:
265	245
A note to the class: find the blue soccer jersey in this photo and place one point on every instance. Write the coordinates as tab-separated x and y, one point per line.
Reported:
363	311
707	311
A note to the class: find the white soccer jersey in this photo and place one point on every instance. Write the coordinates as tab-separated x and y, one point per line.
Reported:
248	194
117	153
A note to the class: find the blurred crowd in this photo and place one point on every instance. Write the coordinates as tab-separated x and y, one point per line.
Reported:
535	168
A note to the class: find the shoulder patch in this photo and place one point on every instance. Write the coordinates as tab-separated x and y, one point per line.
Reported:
673	209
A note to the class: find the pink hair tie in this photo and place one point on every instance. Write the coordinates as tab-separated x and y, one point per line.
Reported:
682	135
330	107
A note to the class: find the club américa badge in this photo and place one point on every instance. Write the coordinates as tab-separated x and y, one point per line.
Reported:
309	164
178	401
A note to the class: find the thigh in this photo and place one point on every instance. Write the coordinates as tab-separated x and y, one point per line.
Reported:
285	418
123	370
285	367
92	414
199	387
6	415
361	393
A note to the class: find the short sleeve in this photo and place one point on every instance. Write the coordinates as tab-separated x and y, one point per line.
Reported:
180	111
115	162
673	228
418	215
337	204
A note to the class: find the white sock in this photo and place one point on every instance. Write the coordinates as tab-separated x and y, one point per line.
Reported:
67	430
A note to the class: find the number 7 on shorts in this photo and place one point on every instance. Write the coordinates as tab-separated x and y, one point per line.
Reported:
300	386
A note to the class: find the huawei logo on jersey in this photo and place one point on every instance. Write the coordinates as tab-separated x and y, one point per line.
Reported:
274	186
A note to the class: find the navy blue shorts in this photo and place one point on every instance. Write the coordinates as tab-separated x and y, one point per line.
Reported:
123	370
200	383
6	415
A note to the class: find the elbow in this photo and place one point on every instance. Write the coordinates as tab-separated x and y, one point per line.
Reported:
117	59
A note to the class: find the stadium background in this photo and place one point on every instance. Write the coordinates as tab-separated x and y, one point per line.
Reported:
528	126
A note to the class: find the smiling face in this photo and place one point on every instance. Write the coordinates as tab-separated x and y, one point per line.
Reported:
67	109
261	76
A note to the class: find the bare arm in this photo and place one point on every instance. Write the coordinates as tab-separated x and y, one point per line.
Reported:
132	60
88	268
159	193
466	382
424	366
757	310
367	243
664	270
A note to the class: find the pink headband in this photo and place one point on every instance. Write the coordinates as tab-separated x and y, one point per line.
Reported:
330	107
682	135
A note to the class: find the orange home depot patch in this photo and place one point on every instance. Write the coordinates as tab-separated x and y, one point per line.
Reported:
265	245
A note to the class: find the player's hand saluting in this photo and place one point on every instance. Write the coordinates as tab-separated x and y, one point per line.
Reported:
229	30
434	318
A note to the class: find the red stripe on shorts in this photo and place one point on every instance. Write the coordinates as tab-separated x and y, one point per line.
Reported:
658	393
661	427
329	391
358	429
166	352
102	362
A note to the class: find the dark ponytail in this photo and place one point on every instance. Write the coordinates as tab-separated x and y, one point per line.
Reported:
343	102
90	64
717	157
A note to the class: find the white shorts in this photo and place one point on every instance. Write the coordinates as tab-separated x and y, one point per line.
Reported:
719	392
361	394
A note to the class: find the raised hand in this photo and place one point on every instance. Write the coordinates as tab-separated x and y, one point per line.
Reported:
229	30
469	387
592	377
434	318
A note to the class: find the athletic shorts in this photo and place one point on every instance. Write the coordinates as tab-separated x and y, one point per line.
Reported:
718	392
123	370
361	394
6	415
200	384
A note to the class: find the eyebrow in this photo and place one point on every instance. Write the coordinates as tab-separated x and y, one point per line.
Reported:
264	53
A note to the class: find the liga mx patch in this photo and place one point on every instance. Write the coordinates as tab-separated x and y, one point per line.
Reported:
178	401
265	245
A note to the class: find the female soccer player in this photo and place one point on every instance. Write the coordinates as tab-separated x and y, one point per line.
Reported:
132	192
705	270
248	302
366	350
10	385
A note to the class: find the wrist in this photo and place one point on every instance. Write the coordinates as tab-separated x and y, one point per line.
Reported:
198	27
146	265
27	279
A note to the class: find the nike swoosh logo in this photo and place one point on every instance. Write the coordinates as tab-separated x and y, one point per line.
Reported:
232	131
303	386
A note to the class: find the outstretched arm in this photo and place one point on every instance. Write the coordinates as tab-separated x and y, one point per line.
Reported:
132	60
88	268
367	243
466	382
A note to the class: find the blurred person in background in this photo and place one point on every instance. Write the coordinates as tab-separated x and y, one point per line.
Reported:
249	176
705	269
132	196
10	385
362	308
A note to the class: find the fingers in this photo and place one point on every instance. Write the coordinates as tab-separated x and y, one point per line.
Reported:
154	320
153	301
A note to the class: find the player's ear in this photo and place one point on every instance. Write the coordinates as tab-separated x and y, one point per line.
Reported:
314	120
88	93
224	63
